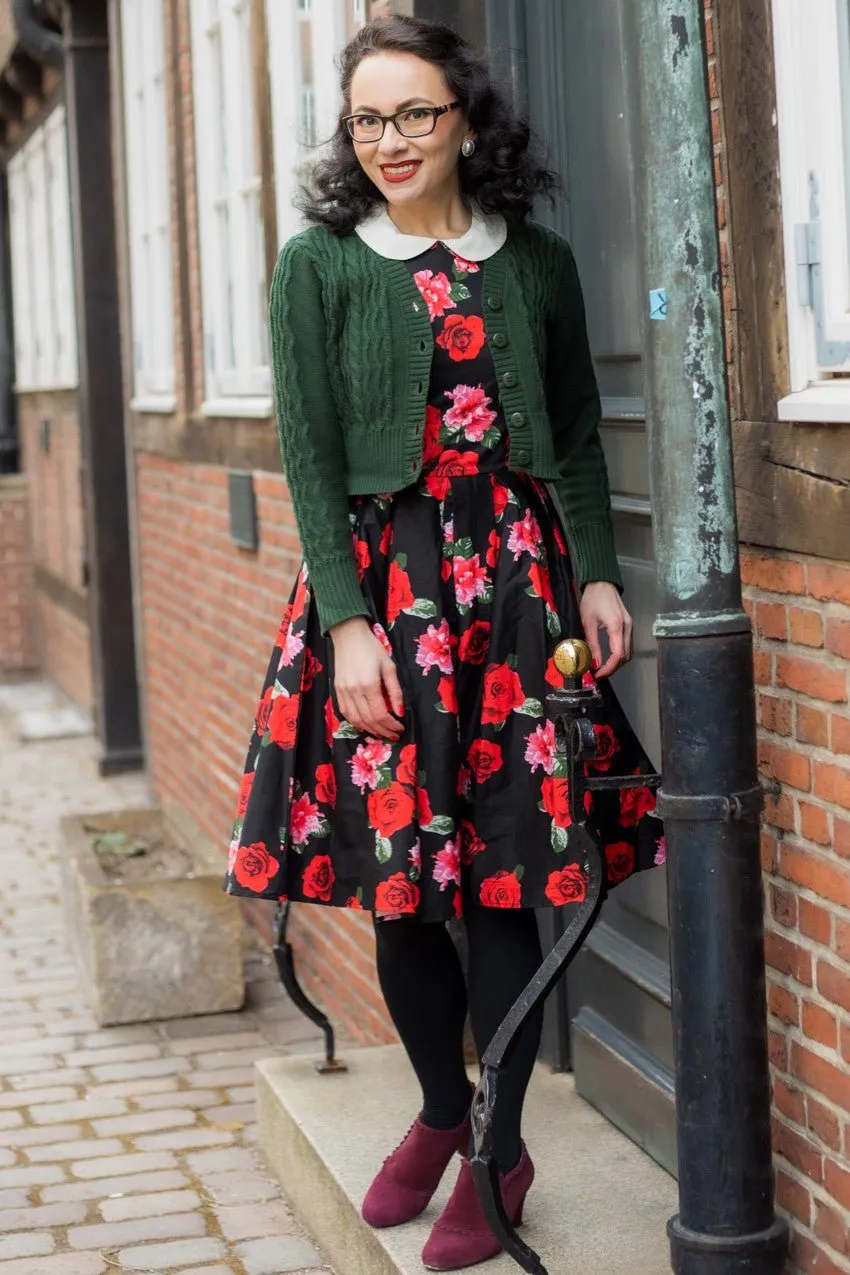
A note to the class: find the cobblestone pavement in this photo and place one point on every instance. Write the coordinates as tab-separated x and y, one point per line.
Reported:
129	1148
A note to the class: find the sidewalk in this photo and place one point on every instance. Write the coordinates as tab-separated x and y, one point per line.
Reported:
130	1148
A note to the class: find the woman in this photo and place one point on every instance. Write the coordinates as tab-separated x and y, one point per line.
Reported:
432	375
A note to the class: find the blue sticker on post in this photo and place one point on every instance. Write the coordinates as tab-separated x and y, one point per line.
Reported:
657	304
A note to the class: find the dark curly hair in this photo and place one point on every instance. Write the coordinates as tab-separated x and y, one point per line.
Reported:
504	174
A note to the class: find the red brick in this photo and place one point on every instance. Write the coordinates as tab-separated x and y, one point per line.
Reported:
789	1101
837	1182
834	984
779	811
820	1025
815	922
778	575
810	677
840	734
772	620
775	713
769	848
785	764
841	837
829	583
832	783
782	1004
842	939
830	1226
831	1081
814	872
783	905
763	668
792	1196
805	626
798	1151
838	636
823	1122
814	823
813	1259
812	726
788	958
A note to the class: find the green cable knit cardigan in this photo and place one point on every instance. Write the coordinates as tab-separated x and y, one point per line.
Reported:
351	355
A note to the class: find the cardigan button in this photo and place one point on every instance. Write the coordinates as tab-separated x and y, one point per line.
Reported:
517	419
500	340
495	303
509	379
523	457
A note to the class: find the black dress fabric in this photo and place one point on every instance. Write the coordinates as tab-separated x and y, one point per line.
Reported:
469	583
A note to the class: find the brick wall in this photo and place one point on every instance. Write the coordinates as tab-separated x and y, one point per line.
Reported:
17	646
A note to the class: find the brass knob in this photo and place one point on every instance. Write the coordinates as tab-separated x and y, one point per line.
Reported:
572	657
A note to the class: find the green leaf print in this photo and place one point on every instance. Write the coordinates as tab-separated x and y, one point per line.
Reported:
421	778
281	835
401	559
383	849
492	436
553	623
323	829
531	708
441	824
236	830
459	292
424	608
267	739
519	872
511	661
345	730
562	766
279	689
464	547
560	838
385	777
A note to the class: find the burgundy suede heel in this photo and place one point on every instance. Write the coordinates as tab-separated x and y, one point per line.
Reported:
460	1236
410	1176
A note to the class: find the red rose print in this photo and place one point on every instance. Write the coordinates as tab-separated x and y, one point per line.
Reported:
431	445
555	800
500	497
447	691
567	886
553	677
331	722
300	599
424	813
457	903
559	540
326	784
406	772
436	292
362	556
244	793
493	548
390	809
386	539
282	632
606	747
541	584
619	861
634	804
399	592
261	717
445	568
311	669
475	642
485	758
470	842
354	904
255	867
318	879
500	891
464	781
451	464
502	693
398	894
283	720
462	336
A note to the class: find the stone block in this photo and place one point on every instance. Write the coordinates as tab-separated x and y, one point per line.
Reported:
155	946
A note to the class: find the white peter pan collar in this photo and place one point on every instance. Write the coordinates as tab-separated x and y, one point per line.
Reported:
485	237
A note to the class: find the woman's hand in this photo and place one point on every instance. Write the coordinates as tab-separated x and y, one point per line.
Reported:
601	607
365	680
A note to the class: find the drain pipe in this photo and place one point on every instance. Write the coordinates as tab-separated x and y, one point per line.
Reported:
8	419
711	798
42	44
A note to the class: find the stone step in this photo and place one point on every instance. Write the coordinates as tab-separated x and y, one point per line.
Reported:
599	1205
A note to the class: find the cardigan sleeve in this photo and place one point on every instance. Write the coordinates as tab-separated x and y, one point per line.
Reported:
311	440
573	404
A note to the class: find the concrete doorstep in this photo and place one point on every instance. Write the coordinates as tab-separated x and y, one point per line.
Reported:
598	1206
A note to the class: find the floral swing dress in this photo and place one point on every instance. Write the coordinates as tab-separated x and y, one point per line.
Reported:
469	584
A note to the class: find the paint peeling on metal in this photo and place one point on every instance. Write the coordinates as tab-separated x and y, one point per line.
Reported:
679	27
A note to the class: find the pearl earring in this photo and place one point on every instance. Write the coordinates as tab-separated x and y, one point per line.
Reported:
468	147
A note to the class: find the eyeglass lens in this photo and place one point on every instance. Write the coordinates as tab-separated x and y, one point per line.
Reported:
417	122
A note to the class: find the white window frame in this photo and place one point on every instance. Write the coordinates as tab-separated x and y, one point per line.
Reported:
813	113
148	204
42	261
299	92
233	282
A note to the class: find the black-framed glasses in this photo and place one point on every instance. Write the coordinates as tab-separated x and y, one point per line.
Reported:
415	121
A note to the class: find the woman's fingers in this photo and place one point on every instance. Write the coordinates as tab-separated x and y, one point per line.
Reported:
381	721
616	641
591	633
392	686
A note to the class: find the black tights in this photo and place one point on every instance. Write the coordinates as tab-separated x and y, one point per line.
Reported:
423	985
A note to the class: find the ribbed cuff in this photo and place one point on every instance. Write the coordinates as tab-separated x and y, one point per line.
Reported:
336	587
594	554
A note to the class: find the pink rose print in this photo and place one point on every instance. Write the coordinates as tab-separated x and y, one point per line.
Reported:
447	865
414	854
380	634
436	292
660	852
434	649
540	748
470	413
303	819
525	537
365	762
464	266
470	579
292	645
